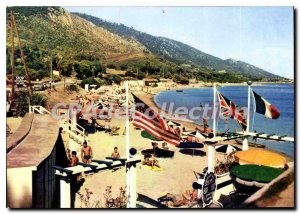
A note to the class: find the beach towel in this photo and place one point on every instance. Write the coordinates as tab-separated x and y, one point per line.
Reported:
154	168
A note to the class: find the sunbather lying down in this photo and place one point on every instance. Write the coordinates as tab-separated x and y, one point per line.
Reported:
188	198
150	162
111	129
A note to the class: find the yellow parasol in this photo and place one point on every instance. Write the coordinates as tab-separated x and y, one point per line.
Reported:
260	157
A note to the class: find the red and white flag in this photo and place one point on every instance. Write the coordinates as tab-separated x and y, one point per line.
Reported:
230	110
145	118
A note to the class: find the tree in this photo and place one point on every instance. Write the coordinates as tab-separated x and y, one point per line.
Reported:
114	78
23	101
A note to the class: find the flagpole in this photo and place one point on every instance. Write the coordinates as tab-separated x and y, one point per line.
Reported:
127	148
127	120
245	141
210	148
248	114
214	111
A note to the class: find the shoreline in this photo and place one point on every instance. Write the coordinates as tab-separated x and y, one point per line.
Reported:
148	99
175	86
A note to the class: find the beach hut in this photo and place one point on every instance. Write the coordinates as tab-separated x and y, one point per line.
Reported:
260	157
149	82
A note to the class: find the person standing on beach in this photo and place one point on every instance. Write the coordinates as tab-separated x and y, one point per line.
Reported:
74	159
86	153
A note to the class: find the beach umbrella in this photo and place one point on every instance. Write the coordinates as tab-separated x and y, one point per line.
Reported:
145	134
252	172
190	145
226	148
197	135
260	157
173	123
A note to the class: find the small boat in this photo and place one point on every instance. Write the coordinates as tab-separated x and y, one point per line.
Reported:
256	145
179	90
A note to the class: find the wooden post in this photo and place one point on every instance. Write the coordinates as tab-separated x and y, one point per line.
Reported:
132	196
65	193
22	56
12	57
245	144
211	158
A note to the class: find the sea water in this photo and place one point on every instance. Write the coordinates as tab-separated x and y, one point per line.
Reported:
279	95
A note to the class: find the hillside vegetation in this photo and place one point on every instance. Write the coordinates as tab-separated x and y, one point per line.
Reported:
85	47
179	52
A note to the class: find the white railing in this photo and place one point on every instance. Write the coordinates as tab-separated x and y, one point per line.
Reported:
75	131
38	109
76	126
75	137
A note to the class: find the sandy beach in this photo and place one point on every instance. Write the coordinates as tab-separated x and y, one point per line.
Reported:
176	174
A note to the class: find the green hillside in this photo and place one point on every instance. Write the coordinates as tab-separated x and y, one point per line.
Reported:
85	46
178	52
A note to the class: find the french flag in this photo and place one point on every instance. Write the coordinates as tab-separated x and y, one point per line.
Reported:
264	107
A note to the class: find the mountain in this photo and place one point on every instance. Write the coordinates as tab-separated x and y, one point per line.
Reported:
38	25
179	52
86	46
70	40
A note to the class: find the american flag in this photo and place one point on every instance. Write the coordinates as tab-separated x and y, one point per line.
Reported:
145	118
230	110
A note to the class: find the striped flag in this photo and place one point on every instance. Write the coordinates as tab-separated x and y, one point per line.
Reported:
145	118
230	110
264	107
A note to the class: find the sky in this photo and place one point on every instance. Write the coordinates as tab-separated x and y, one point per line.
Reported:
261	36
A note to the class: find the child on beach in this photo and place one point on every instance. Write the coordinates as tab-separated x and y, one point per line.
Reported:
115	153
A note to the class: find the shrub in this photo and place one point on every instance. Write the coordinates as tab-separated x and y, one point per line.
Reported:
72	87
112	66
123	67
23	101
114	78
141	75
130	74
90	81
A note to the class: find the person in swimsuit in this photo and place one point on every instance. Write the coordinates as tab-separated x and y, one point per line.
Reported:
116	153
74	159
188	197
86	153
